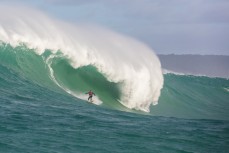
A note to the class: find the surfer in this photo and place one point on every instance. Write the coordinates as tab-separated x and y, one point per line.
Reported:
90	93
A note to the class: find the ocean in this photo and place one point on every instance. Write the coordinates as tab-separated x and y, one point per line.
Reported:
38	116
45	73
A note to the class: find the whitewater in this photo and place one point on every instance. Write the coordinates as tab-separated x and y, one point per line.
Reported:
119	58
47	66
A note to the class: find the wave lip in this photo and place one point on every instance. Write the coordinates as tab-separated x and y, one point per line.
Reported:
120	59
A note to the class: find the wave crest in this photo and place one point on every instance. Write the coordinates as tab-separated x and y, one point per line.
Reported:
119	58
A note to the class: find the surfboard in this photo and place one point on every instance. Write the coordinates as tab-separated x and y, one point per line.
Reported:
90	101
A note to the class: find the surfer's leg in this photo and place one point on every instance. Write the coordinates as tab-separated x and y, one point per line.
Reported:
90	97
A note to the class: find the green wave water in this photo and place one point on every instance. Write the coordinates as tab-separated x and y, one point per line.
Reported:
86	78
194	97
120	59
44	108
182	96
38	69
40	113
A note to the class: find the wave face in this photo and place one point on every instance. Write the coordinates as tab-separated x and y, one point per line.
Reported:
183	96
123	73
45	71
195	97
119	69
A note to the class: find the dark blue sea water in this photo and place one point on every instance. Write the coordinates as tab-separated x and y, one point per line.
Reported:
36	115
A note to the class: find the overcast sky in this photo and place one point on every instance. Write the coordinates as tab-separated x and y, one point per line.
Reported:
167	26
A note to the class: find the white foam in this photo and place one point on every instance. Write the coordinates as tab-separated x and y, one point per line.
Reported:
120	58
165	71
227	89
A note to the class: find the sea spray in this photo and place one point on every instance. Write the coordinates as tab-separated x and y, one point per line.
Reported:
120	59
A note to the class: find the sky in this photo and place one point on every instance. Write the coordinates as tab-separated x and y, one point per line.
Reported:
166	26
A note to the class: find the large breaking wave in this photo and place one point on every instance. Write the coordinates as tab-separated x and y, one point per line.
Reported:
78	58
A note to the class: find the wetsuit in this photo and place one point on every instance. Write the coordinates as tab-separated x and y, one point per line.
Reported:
90	95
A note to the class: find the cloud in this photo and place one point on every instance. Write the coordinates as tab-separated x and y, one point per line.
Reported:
162	10
72	2
166	25
163	24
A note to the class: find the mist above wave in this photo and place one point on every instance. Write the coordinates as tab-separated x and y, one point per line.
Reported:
120	58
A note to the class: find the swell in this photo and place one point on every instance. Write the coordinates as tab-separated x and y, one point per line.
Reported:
188	96
52	54
183	96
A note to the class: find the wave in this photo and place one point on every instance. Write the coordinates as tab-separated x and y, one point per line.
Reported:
165	71
116	67
226	89
124	73
183	96
189	96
